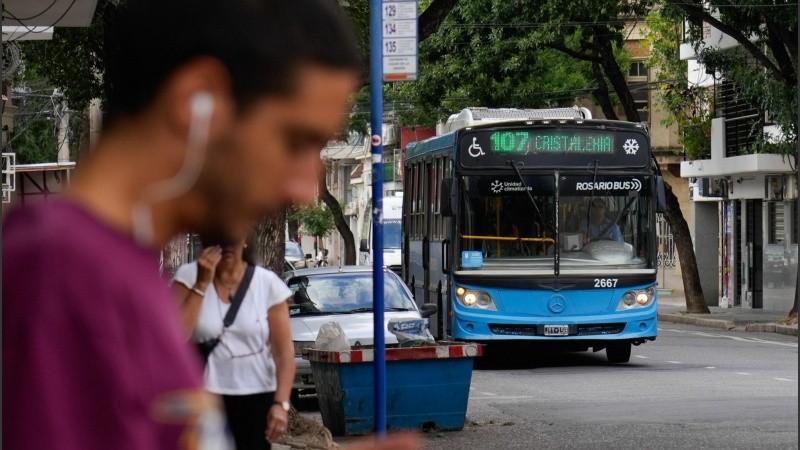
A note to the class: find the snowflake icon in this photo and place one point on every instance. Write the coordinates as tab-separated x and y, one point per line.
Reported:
631	146
497	187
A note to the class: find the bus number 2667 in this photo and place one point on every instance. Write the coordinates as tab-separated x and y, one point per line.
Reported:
605	282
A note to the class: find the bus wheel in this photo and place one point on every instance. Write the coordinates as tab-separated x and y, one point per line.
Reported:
618	352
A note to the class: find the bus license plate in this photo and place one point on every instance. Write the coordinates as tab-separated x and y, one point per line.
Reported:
556	330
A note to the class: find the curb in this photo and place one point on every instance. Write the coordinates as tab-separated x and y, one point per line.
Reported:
689	320
772	328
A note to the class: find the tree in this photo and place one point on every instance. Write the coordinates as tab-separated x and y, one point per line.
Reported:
315	220
689	106
341	225
34	142
763	66
74	60
269	239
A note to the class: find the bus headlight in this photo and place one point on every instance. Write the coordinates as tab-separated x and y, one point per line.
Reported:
629	298
470	299
475	299
484	301
637	298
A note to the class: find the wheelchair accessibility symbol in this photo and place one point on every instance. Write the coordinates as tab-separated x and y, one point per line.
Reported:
475	149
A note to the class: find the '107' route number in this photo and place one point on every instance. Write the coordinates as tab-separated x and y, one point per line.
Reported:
605	282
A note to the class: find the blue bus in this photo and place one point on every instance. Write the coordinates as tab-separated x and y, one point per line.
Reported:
535	225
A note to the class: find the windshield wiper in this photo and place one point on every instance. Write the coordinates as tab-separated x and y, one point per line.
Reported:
317	313
360	310
369	309
530	197
591	198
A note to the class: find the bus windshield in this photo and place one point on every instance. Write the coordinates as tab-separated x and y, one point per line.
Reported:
603	222
392	235
499	220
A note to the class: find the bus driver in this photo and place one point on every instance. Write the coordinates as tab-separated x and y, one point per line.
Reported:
599	227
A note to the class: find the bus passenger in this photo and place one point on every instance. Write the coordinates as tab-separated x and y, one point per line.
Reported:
599	227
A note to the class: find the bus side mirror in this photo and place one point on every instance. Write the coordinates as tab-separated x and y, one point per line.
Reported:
446	199
364	247
661	198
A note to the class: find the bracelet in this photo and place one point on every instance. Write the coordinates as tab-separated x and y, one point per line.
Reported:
198	291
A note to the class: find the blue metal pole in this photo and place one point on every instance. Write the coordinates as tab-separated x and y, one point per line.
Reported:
376	125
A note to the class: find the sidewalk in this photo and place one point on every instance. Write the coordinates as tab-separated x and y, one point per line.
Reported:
673	309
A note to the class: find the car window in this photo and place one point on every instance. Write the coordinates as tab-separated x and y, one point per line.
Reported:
293	249
341	293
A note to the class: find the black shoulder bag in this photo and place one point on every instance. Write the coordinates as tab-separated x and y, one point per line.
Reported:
208	346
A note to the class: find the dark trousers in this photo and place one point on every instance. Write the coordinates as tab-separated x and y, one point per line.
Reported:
247	419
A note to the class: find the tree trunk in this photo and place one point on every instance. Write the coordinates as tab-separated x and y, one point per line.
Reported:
792	317
269	240
695	302
601	94
615	75
293	227
431	19
338	219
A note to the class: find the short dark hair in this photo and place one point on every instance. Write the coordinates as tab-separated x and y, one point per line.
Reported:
261	43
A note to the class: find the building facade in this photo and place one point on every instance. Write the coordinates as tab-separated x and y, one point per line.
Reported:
743	205
349	179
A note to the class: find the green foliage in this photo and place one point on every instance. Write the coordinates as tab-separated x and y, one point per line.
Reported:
685	105
36	143
73	60
765	73
314	220
488	53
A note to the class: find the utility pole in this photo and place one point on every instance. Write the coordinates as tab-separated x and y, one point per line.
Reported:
376	125
63	132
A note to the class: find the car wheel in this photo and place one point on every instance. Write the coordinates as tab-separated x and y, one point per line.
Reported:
618	352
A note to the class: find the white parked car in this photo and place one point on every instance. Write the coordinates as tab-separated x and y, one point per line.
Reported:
344	295
293	253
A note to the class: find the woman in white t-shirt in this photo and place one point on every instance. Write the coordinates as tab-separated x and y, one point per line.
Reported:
252	367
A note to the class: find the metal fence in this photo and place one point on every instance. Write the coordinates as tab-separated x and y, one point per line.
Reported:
667	257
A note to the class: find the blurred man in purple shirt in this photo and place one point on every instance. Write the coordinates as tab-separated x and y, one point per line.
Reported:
216	112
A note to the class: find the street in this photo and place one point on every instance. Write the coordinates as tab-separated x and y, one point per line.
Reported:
691	388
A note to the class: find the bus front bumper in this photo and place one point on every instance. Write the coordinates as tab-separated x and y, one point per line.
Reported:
640	325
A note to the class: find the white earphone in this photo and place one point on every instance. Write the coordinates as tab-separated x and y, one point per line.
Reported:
202	105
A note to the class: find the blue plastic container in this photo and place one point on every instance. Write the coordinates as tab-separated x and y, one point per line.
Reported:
426	387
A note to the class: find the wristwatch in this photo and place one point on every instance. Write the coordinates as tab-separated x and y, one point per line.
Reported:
286	406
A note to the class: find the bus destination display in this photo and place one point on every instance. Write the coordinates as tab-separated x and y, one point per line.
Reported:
521	142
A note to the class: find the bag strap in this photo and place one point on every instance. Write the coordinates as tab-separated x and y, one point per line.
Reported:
237	299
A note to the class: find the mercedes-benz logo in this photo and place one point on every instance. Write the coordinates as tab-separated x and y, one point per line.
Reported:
557	304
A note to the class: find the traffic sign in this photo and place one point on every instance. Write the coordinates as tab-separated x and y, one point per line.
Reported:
400	40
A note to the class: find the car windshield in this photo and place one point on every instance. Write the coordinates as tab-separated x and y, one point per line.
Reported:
293	250
344	293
